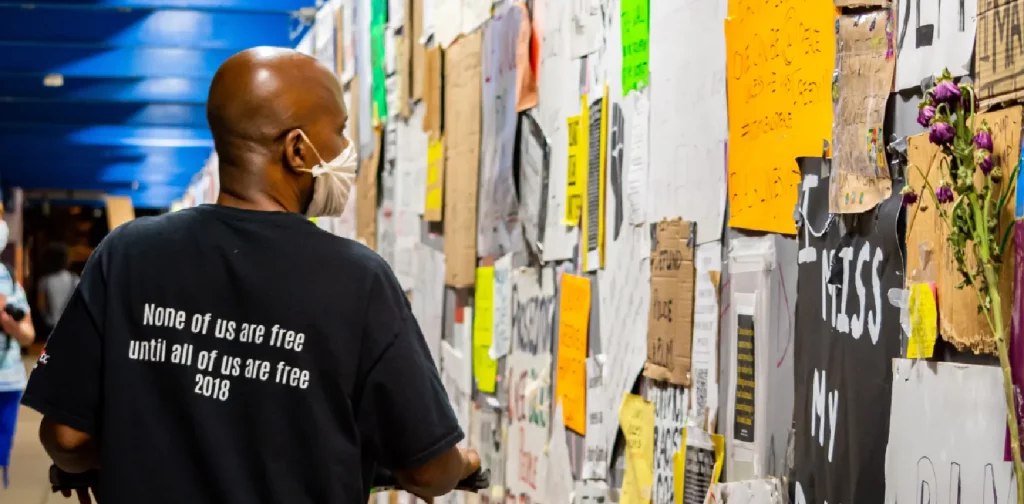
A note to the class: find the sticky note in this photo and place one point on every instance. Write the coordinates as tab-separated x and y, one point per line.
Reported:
485	369
924	321
574	180
636	34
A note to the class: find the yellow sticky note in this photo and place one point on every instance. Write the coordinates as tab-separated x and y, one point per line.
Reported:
435	181
924	321
576	175
636	417
779	104
571	377
485	369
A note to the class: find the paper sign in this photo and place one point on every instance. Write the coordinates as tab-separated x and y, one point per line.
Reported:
462	158
560	481
933	35
924	321
502	332
593	208
485	369
366	192
639	161
595	451
636	416
636	32
999	65
746	379
574	179
864	78
526	95
780	105
435	181
670	319
534	164
945	441
573	321
671	405
526	469
698	466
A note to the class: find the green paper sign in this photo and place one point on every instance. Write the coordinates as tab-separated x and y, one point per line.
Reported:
378	23
636	32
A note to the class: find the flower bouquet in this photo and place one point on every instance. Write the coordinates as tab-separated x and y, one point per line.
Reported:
970	206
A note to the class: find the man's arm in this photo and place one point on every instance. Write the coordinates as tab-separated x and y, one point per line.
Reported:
403	411
72	450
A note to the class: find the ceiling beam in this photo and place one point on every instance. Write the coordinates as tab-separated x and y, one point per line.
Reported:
81	61
88	114
35	136
133	28
279	6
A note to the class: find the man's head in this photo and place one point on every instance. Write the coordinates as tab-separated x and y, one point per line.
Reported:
274	114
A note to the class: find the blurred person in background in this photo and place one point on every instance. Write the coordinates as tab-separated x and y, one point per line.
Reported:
16	334
55	286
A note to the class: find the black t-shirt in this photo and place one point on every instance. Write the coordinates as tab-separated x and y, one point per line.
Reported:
231	356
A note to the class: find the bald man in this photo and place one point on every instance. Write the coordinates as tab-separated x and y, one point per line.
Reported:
236	353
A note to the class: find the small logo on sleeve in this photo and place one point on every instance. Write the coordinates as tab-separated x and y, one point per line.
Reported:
43	359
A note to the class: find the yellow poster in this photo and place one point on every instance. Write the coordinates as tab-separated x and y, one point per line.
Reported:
636	418
701	455
592	235
924	321
571	377
435	181
576	177
485	369
780	58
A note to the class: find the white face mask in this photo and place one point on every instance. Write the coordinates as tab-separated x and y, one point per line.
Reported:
332	182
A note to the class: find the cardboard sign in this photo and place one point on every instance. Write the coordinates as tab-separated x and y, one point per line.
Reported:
366	193
843	373
998	60
670	319
927	251
462	108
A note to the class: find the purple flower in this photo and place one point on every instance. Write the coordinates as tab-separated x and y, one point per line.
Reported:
942	133
944	193
984	162
925	115
946	92
983	140
909	196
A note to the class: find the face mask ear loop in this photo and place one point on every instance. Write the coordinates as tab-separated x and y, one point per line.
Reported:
311	146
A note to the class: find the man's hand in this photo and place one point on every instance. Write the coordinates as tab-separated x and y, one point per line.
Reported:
470	461
81	493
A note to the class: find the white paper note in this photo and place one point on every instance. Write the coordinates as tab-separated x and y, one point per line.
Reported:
933	35
558	99
687	163
586	26
396	13
526	470
704	359
560	482
412	160
474	14
447	20
502	324
534	163
639	161
595	452
454	376
348	41
323	35
428	297
498	228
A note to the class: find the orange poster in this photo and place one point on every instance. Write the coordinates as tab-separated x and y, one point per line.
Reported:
571	377
780	58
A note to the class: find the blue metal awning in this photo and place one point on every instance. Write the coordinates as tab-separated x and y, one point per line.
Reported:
109	95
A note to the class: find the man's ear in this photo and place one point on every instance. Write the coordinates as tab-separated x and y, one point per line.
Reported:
297	154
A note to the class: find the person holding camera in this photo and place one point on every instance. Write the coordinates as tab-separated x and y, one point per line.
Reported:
17	332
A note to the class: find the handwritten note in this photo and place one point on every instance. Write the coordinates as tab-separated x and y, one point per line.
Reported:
637	420
485	369
924	321
781	57
502	335
428	297
636	32
571	378
866	62
575	174
595	451
378	28
639	160
526	469
434	204
670	318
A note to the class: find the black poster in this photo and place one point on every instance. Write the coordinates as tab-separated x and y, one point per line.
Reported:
697	473
746	379
847	334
